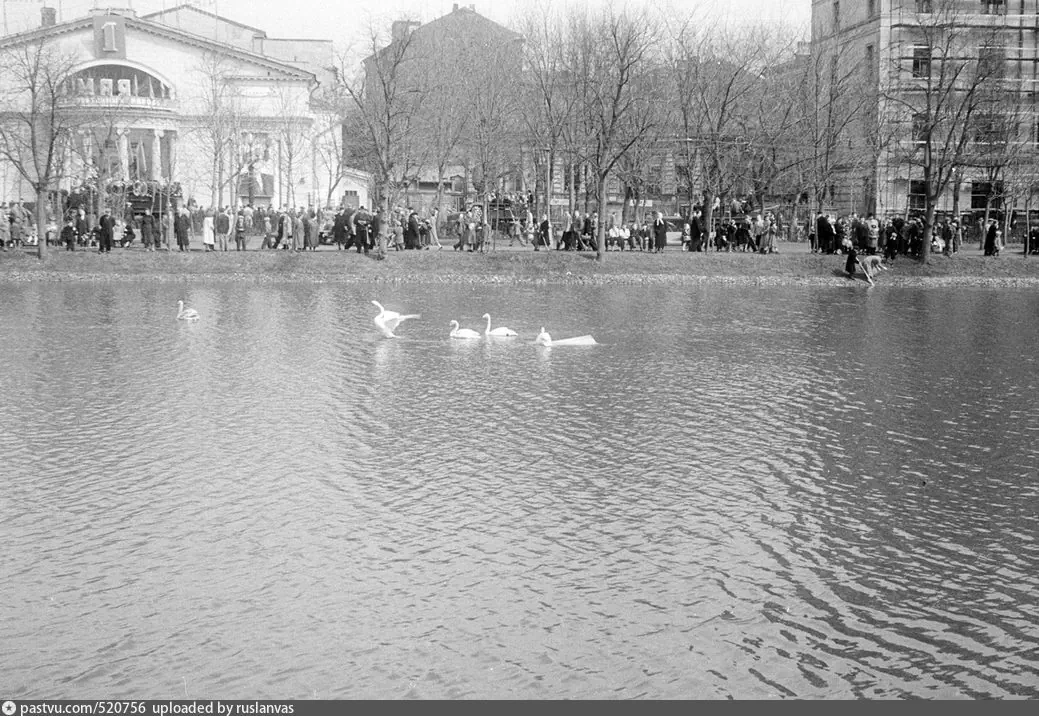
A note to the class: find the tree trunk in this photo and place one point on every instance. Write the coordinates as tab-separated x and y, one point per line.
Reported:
600	229
571	195
708	214
440	190
1008	215
925	244
41	221
487	223
384	223
1028	223
956	198
548	187
984	224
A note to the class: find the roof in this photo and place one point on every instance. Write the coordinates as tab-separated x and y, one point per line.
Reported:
200	11
444	22
160	29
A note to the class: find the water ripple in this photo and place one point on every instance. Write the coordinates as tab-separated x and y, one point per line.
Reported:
728	503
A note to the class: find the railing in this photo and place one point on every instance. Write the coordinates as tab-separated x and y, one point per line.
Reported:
121	101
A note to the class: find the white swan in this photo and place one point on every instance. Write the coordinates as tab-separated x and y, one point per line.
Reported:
500	331
186	314
544	339
457	332
387	321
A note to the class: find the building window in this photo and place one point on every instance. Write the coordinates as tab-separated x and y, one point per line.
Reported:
993	7
870	59
920	128
991	61
924	6
921	61
108	36
987	129
982	192
871	8
917	194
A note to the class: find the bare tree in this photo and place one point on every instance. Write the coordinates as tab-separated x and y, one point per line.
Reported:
939	100
328	144
490	85
295	137
772	117
832	95
383	103
222	119
549	100
715	75
36	119
619	89
1003	147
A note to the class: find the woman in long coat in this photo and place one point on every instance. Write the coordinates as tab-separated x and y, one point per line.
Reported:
182	230
148	231
990	239
308	232
659	233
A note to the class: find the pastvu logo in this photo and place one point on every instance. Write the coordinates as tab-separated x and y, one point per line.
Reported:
8	708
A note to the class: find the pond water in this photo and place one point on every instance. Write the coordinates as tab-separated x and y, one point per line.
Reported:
741	492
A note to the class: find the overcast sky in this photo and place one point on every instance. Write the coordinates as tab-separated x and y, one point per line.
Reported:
337	19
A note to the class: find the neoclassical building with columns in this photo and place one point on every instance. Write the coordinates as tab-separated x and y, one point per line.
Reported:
188	99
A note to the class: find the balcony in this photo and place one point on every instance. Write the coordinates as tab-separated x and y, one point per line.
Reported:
120	102
115	86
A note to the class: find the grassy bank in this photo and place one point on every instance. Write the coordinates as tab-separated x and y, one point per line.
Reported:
792	265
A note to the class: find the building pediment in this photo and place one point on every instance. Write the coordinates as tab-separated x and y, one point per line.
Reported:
113	37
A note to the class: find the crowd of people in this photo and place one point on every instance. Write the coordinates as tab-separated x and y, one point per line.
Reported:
19	229
756	233
902	236
405	228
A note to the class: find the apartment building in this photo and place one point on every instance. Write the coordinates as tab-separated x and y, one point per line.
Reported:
950	114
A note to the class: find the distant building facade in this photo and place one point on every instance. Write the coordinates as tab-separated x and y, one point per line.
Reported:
147	92
903	51
458	65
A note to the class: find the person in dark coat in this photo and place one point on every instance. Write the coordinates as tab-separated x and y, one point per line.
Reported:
544	232
990	239
239	231
659	233
853	258
362	221
182	229
412	240
148	231
696	232
339	229
824	234
68	235
107	230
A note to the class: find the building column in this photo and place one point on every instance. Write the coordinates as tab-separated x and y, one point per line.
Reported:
278	199
172	139
124	153
156	168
